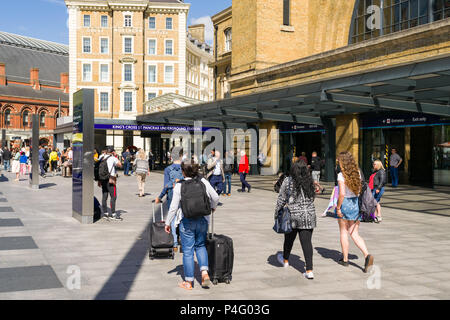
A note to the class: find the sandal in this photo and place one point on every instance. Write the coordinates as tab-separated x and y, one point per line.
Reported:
186	285
206	282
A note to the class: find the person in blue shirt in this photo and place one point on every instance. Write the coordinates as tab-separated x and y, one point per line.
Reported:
42	160
169	185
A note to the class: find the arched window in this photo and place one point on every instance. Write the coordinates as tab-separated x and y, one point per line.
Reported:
227	39
42	119
7	117
374	18
25	119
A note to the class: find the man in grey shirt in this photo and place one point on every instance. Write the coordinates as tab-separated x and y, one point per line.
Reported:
394	162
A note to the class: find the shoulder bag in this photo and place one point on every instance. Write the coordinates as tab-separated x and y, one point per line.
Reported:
283	220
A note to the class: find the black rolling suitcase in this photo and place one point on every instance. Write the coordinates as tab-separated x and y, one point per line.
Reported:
161	243
220	256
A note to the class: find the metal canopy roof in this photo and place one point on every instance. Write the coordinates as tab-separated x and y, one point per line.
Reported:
419	87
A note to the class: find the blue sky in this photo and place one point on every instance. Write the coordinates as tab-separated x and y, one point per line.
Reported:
46	19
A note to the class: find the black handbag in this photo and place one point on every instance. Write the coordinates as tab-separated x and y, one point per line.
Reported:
283	220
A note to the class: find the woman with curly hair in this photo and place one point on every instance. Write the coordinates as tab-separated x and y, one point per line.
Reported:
347	210
298	192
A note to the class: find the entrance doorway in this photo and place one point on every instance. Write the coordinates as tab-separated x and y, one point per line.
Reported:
421	161
308	143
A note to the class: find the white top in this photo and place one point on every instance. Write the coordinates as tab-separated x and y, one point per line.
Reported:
111	162
217	170
175	206
70	155
348	192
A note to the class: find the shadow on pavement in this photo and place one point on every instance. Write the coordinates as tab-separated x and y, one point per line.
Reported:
3	178
336	255
294	261
180	272
46	185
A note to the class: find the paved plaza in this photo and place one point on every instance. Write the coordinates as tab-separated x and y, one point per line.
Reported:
42	247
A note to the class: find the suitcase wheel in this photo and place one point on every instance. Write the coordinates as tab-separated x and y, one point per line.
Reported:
227	281
215	282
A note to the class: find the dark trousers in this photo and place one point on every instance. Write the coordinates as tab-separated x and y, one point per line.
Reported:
394	176
305	240
244	183
217	183
41	166
126	168
111	190
227	183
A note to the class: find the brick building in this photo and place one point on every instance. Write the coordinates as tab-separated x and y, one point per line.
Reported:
33	80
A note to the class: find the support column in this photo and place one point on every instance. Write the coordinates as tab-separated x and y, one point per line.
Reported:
347	134
330	148
269	144
3	137
34	176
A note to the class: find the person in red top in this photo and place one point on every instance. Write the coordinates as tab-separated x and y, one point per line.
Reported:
243	171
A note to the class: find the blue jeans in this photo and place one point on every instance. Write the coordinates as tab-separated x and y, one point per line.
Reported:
244	183
41	166
172	225
6	165
394	176
193	236
126	167
379	195
217	183
227	183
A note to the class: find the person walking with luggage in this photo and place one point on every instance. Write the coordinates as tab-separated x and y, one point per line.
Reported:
108	181
315	168
349	182
193	201
298	193
394	162
142	170
216	172
376	184
228	169
172	175
243	171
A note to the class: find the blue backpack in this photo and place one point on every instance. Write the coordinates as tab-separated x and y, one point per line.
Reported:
174	175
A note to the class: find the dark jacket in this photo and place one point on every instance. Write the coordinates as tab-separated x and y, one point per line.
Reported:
379	180
6	154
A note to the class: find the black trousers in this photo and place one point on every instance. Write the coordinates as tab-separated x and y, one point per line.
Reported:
305	241
111	190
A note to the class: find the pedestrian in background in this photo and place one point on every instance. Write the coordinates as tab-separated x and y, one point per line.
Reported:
15	168
6	159
298	193
142	170
376	184
54	161
303	158
23	163
228	169
216	174
243	171
126	157
316	165
394	162
109	186
349	182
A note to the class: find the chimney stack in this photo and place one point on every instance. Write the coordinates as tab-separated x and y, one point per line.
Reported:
34	78
198	32
65	82
2	74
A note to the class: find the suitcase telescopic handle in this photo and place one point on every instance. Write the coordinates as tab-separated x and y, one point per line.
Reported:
162	211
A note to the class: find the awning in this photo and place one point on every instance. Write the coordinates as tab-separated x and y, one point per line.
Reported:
422	87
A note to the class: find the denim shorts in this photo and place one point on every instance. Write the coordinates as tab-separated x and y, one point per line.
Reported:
350	209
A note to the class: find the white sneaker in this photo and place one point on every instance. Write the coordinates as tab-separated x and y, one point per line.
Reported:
281	260
309	275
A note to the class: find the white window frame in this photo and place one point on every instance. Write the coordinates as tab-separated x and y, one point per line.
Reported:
132	72
132	101
149	23
125	15
101	20
151	92
82	72
156	47
165	47
84	21
171	24
132	45
228	42
107	48
148	72
100	101
100	72
90	44
173	73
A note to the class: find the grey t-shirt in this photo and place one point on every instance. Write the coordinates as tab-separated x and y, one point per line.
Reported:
395	159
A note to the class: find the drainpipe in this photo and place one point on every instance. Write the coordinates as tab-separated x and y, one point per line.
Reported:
215	60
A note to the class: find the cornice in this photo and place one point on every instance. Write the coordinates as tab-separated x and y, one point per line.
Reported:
151	7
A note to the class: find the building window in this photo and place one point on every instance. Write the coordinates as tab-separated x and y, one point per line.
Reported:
87	20
104	45
374	18
128	45
128	101
104	101
151	95
128	72
8	117
104	22
87	72
104	73
286	12
169	47
127	20
152	23
152	46
42	119
228	40
86	45
168	74
169	23
25	119
152	74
